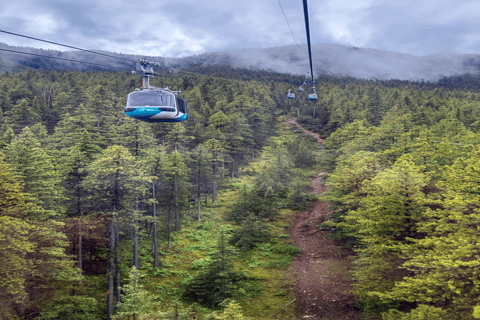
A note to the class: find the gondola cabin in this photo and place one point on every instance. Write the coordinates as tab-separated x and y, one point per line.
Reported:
312	96
154	105
290	95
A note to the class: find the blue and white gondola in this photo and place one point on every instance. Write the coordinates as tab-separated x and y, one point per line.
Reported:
290	95
156	105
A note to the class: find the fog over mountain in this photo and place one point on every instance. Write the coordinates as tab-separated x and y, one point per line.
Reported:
327	58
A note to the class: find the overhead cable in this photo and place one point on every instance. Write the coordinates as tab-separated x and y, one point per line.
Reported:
307	27
43	56
67	46
298	47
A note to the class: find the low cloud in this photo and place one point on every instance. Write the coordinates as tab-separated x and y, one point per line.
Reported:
185	27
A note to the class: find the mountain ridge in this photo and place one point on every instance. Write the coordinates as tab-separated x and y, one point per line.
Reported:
333	59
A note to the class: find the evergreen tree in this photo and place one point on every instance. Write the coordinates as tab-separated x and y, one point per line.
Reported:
34	167
173	190
218	281
116	181
136	302
444	263
33	262
385	224
201	173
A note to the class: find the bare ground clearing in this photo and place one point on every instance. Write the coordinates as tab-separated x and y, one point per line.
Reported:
321	271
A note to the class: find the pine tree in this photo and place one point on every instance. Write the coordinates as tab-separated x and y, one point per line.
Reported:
218	281
201	174
232	311
444	263
384	224
33	262
173	189
35	168
137	302
116	181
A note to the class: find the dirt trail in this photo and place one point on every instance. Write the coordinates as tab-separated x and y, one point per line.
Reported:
313	134
320	272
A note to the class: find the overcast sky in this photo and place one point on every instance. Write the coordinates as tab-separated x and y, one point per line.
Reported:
176	28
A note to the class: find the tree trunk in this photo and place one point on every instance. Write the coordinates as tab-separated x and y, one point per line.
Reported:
214	192
111	252
223	167
80	262
177	214
199	215
135	237
117	262
177	220
79	213
169	227
154	243
214	170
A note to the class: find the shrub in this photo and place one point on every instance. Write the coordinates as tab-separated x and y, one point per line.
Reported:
251	233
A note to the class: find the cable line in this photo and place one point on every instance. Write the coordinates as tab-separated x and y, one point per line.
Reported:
64	45
307	27
43	56
298	47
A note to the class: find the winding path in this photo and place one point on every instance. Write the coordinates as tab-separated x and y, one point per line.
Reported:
321	270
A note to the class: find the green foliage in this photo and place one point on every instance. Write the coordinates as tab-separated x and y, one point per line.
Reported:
399	191
232	311
446	254
72	307
116	178
273	255
136	301
476	312
303	150
411	217
201	264
286	249
218	281
169	291
32	252
422	312
251	203
35	168
298	199
250	233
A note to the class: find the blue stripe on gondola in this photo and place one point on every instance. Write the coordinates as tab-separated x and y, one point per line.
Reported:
143	113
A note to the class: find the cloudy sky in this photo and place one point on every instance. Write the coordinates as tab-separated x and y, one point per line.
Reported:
176	28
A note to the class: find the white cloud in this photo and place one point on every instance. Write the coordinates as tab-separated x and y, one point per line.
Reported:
185	27
347	21
42	24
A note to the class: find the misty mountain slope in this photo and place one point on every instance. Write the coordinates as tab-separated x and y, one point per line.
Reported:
327	59
343	60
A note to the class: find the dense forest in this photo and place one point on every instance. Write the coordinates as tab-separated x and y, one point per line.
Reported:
82	182
404	186
99	211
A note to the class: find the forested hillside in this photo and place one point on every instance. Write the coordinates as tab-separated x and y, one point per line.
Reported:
199	208
405	192
85	180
